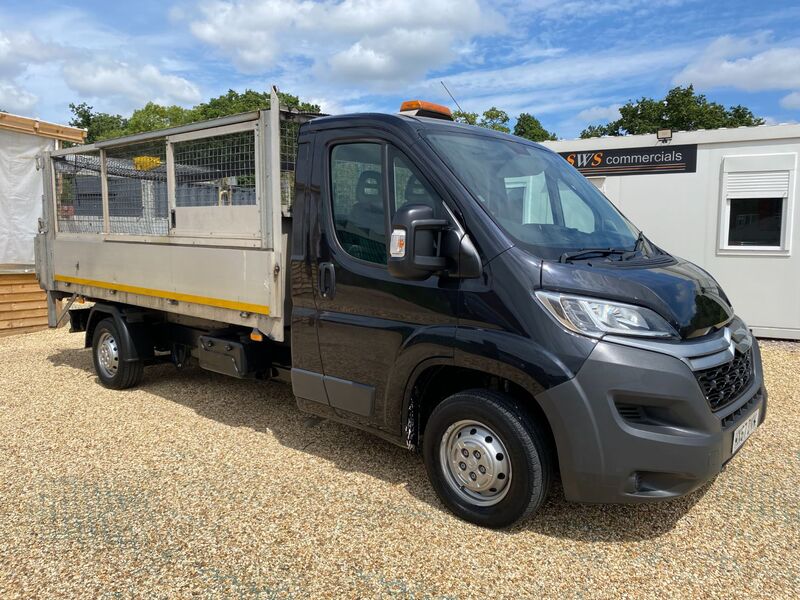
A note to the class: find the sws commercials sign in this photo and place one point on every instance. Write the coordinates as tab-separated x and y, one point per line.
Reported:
634	161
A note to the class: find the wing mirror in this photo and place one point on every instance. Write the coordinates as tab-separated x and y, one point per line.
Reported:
416	242
422	245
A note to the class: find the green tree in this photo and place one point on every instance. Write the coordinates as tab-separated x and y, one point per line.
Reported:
233	102
681	110
496	119
531	128
468	118
151	116
155	116
98	125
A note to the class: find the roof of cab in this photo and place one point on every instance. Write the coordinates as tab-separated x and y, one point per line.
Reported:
410	123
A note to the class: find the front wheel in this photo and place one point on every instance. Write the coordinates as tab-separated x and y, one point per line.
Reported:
111	361
488	461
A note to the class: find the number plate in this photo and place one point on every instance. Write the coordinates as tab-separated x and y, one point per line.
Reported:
744	430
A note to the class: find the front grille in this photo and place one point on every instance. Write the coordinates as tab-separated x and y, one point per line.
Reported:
631	413
736	415
723	384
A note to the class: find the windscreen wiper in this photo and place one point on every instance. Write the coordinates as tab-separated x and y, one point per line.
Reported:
639	241
590	253
638	246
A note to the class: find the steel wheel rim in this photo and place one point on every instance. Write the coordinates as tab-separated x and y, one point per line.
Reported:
475	462
107	354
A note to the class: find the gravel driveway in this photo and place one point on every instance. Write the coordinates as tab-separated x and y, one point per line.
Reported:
196	485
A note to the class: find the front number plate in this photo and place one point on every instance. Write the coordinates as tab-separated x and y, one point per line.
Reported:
744	430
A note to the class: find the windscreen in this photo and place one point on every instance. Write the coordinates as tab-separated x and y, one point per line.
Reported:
534	195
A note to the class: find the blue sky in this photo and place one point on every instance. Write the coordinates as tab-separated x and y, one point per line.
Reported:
569	62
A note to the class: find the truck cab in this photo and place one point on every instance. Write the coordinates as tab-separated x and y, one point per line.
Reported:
518	288
469	295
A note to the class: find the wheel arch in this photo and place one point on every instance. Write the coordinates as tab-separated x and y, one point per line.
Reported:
134	336
436	379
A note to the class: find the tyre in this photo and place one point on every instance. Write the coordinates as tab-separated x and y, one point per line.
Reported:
111	360
489	462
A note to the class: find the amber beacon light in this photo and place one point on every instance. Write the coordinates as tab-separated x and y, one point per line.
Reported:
421	108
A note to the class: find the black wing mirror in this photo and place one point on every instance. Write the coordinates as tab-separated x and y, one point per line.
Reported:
416	242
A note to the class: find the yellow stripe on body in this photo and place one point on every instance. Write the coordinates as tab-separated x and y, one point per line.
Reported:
260	309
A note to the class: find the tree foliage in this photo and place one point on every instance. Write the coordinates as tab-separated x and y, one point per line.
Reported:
527	125
681	110
531	128
467	118
99	125
151	116
496	119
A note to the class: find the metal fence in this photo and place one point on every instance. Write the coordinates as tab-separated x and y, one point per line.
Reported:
216	171
137	188
290	126
289	129
207	171
78	191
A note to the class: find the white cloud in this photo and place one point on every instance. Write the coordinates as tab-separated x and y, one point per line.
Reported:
15	100
600	113
20	48
569	73
748	64
364	41
138	84
400	55
36	73
792	101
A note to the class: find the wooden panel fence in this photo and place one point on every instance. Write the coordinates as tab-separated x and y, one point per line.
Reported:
23	304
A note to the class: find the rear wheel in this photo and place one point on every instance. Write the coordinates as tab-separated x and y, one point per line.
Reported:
488	461
111	358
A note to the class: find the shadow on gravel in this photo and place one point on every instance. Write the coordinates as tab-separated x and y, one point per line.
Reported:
269	407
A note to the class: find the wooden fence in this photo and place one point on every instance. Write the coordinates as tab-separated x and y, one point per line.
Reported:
23	304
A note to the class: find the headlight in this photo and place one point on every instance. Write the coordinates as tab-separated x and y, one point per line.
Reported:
596	318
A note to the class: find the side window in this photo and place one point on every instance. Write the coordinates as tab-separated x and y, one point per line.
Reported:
410	187
532	195
358	200
577	214
758	198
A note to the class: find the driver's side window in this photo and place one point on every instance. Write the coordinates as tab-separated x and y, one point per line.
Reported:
409	186
358	200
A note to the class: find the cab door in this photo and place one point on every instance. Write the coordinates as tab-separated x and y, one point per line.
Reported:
373	329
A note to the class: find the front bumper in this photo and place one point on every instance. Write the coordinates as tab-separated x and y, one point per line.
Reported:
633	425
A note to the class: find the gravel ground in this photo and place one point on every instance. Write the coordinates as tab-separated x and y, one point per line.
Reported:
203	486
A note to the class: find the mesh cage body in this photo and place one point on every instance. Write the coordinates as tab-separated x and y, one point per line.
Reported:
289	130
216	171
78	192
137	188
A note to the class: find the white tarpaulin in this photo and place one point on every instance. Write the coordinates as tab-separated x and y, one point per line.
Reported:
20	194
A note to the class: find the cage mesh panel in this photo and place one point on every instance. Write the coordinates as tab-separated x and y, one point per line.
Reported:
79	200
288	133
216	171
137	188
289	128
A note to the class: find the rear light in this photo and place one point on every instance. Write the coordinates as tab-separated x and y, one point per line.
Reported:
421	108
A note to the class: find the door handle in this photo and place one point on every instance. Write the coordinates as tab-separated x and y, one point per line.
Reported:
327	280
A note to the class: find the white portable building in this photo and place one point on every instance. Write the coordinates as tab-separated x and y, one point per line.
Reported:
21	140
23	305
725	199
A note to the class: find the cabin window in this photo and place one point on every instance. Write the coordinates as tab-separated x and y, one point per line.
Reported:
756	203
358	200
